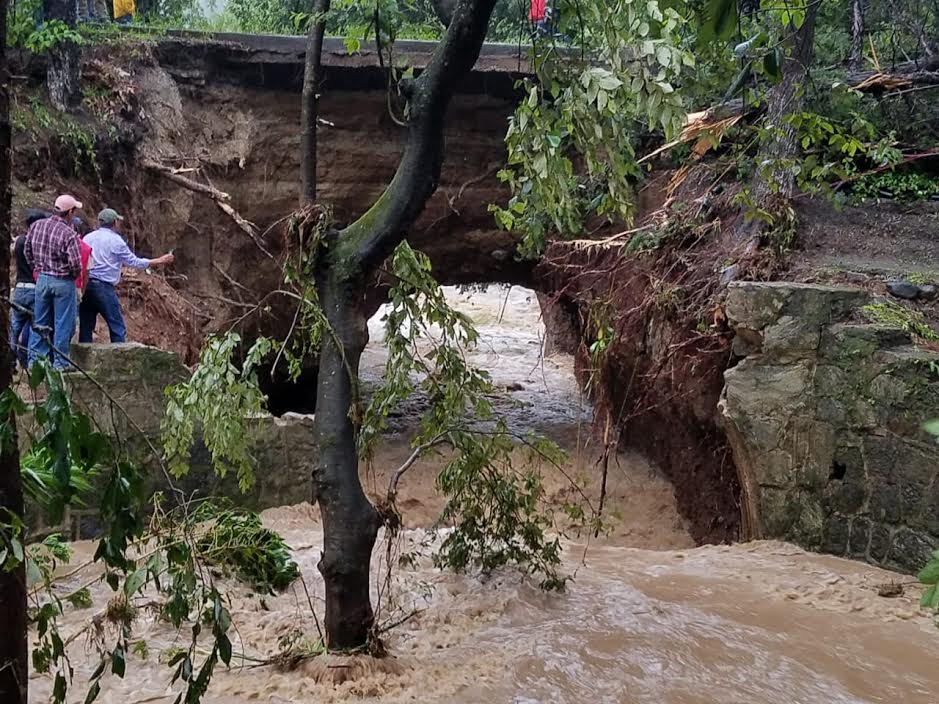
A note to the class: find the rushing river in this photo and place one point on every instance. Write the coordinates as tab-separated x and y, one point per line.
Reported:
647	619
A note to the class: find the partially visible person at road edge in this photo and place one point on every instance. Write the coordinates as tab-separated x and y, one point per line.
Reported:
109	252
53	252
124	11
24	293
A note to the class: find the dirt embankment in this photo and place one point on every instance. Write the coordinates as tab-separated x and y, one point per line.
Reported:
653	343
234	127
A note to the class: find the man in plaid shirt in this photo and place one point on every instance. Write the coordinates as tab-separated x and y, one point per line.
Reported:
53	252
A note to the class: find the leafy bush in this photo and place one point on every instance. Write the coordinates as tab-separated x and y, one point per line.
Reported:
929	575
49	35
39	481
224	423
235	540
899	185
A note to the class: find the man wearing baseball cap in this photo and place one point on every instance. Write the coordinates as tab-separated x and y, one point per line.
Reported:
109	252
52	250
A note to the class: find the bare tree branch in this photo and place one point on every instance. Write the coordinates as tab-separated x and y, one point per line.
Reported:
220	198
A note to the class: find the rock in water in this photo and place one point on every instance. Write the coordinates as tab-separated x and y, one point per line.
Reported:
903	289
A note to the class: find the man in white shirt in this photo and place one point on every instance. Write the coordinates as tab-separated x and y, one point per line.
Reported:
109	252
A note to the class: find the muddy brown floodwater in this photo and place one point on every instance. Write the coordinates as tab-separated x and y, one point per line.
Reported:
648	618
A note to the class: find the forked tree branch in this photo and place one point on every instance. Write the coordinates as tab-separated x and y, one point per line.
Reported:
364	244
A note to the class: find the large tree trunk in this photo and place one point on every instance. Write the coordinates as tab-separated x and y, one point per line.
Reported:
14	667
772	187
63	74
350	522
857	33
350	258
309	112
786	99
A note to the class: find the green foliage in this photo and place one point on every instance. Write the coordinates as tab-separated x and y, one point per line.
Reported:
49	654
416	303
222	400
898	316
176	14
22	18
65	452
235	540
494	501
26	29
498	508
561	169
80	599
907	186
720	21
835	150
932	427
51	34
40	483
265	16
56	131
929	576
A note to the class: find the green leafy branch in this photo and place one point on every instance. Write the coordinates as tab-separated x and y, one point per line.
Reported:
560	167
495	499
222	399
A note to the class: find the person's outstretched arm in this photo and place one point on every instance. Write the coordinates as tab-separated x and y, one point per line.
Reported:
128	258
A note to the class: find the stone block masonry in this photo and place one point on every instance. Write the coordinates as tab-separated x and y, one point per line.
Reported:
824	415
135	377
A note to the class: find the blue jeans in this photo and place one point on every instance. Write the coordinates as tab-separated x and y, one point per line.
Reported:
100	298
20	322
56	308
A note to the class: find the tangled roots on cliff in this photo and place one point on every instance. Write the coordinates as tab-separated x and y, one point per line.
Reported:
160	316
304	230
654	346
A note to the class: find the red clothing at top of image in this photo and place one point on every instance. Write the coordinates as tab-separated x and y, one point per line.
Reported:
537	10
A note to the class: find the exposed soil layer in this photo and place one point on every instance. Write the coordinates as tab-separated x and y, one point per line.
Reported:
659	380
235	126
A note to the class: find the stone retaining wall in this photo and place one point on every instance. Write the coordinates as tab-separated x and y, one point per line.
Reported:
135	376
824	415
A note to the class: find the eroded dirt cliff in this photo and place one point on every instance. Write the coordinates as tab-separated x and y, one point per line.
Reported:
209	115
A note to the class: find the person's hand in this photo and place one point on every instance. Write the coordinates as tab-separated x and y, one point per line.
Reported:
164	260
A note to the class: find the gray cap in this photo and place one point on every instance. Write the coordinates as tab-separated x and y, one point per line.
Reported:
108	216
